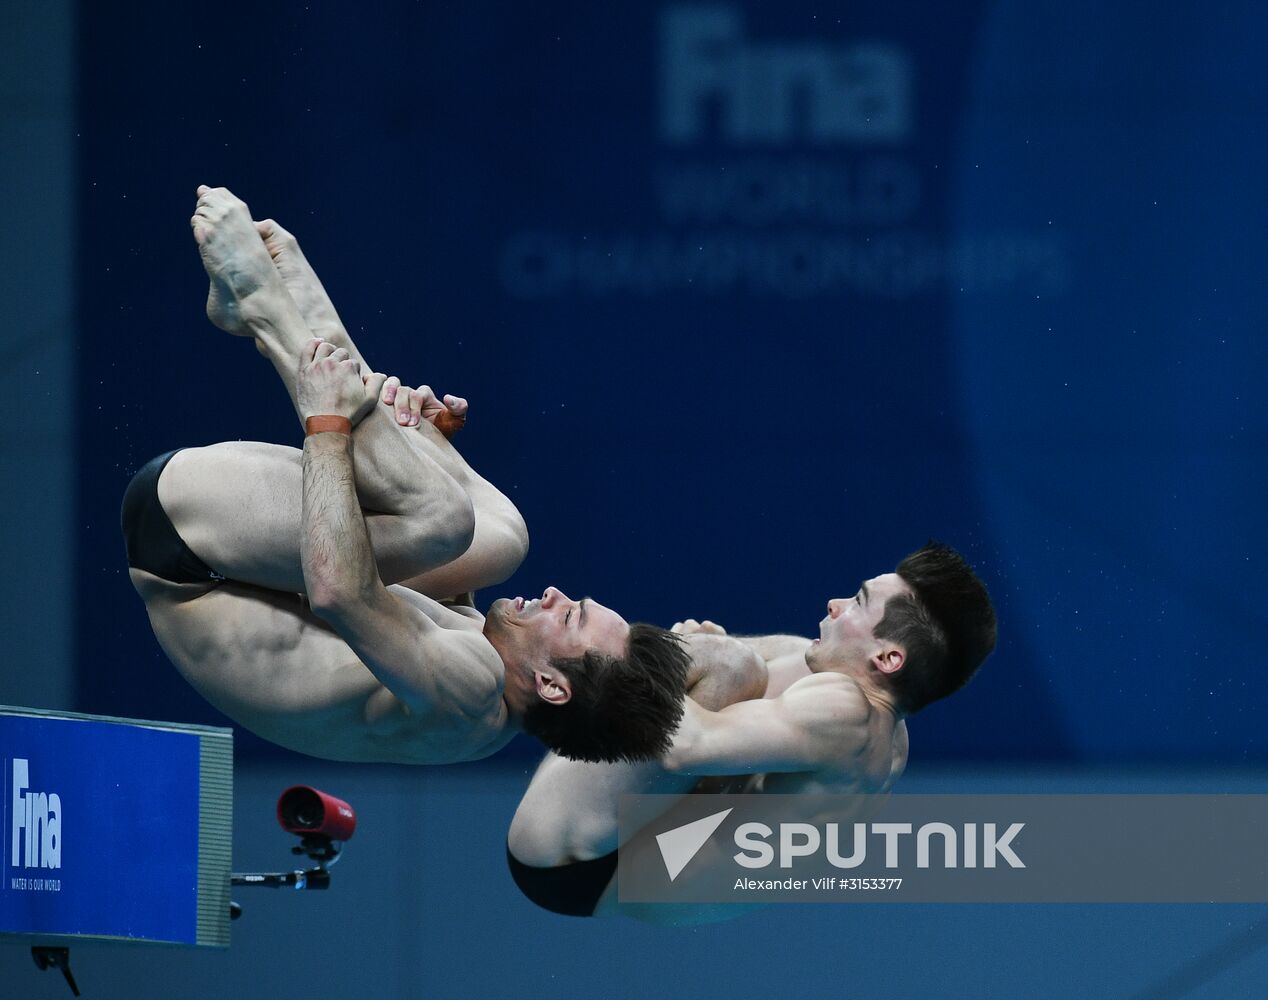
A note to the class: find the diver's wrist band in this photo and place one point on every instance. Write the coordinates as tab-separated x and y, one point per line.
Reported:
327	422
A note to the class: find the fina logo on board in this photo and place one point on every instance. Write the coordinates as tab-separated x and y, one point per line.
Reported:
37	823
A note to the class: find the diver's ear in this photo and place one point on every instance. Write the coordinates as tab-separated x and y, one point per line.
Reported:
552	687
890	659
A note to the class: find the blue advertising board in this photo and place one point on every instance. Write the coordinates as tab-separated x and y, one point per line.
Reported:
101	828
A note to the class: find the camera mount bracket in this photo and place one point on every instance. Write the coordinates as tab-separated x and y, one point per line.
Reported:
316	847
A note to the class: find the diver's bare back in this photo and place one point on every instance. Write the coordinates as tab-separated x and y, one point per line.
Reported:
265	660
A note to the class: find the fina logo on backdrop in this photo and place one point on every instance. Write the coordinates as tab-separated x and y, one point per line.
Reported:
845	93
782	166
36	830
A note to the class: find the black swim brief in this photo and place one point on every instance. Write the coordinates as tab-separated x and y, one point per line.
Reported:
573	890
148	533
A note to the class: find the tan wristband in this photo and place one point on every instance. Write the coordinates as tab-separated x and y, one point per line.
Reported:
327	422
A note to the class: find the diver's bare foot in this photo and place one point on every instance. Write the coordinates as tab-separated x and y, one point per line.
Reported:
300	280
232	256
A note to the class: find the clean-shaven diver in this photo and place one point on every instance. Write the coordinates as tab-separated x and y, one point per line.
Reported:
298	591
832	720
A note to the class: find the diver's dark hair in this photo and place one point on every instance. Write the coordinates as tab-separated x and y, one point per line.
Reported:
946	624
620	709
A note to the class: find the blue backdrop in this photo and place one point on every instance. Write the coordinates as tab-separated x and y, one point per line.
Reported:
749	301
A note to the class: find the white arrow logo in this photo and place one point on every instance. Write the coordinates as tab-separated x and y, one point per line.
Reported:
679	845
